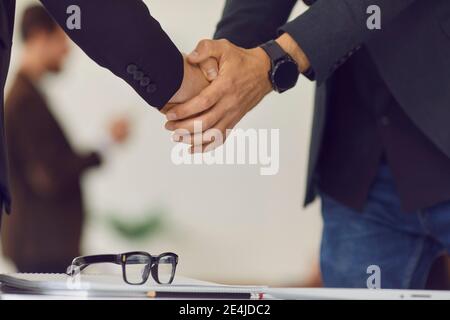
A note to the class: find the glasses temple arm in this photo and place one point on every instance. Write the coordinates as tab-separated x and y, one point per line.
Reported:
81	263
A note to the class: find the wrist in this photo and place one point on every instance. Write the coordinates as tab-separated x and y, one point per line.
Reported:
263	67
291	47
179	95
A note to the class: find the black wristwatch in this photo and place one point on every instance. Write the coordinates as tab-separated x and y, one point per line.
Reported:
284	72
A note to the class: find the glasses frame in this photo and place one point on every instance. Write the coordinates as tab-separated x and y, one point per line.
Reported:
82	262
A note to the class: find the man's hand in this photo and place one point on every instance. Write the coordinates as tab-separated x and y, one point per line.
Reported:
119	130
241	84
194	81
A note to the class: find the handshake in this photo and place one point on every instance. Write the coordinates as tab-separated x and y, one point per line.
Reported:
222	83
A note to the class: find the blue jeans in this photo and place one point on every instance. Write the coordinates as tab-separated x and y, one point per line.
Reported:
402	244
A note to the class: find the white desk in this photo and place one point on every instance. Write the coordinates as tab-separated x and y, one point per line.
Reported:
285	294
355	294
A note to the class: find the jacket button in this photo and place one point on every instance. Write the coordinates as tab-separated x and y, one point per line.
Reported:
132	68
145	81
138	75
151	88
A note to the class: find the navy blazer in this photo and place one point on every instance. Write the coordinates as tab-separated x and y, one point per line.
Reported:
119	35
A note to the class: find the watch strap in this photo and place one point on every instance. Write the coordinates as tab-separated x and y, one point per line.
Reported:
274	51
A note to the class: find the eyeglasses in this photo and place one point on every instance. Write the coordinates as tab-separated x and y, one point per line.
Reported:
136	266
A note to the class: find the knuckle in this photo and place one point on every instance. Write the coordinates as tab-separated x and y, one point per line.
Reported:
228	84
204	44
225	42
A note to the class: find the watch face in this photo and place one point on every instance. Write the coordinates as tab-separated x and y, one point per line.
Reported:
285	75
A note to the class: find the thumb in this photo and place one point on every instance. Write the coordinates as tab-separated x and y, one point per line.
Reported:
210	68
205	49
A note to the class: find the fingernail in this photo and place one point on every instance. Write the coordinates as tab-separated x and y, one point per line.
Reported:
176	138
171	116
212	73
169	126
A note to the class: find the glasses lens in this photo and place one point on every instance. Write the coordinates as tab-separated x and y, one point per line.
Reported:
136	268
166	269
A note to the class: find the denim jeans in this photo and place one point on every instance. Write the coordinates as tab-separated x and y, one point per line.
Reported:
402	244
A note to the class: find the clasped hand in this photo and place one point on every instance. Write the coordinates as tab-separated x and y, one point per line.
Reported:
222	83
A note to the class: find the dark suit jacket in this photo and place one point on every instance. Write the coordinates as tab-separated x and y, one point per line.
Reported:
43	232
412	53
119	35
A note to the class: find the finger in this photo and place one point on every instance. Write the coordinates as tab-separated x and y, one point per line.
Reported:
200	123
167	108
205	148
213	140
195	139
226	128
199	138
197	149
204	101
210	68
206	49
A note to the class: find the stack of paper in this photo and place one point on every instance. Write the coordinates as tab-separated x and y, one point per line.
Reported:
110	286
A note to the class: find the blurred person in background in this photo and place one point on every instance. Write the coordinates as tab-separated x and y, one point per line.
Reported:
120	36
43	233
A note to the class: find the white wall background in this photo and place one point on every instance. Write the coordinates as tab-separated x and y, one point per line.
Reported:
228	223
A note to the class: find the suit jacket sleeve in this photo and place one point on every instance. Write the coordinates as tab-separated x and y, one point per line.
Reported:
250	23
123	37
332	30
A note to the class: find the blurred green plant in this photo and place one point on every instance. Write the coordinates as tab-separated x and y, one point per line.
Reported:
140	227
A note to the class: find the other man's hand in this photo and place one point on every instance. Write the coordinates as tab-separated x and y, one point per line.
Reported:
194	81
242	82
119	130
